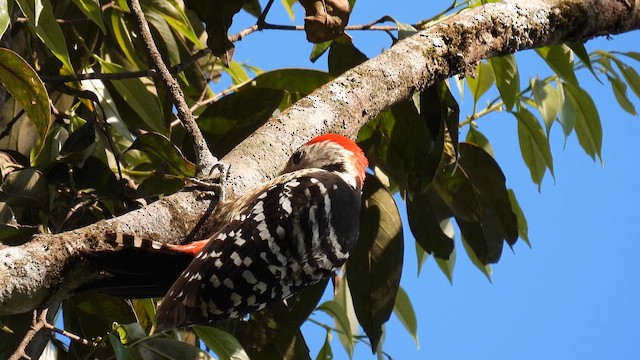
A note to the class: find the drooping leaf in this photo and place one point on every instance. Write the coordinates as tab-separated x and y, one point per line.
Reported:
253	7
620	92
534	145
559	59
169	155
447	265
319	49
471	236
452	194
91	9
547	100
343	55
175	16
375	265
325	352
221	342
405	313
23	83
482	81
218	16
439	108
230	120
123	352
587	120
166	41
343	324
631	76
497	222
79	145
523	228
5	15
288	6
474	136
345	300
136	95
48	30
421	256
426	218
122	35
507	78
579	49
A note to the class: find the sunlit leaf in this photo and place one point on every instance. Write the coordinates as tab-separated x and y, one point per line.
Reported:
587	120
405	313
5	15
559	59
620	92
422	257
138	97
534	145
485	268
375	265
447	265
343	324
325	352
91	9
48	30
288	6
579	49
481	81
507	78
171	157
475	137
631	77
122	36
345	300
301	81
23	83
319	49
547	100
176	18
221	342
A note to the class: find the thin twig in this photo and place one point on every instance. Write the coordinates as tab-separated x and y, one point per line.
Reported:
37	324
204	159
10	124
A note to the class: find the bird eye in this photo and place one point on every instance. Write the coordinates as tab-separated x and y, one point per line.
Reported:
296	157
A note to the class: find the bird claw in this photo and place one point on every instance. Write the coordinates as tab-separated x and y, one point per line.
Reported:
214	183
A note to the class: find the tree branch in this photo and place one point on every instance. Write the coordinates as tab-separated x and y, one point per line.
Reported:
45	268
204	159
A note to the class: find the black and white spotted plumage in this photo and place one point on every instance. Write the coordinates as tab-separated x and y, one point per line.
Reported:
288	233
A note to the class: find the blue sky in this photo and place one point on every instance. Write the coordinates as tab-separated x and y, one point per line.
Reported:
574	294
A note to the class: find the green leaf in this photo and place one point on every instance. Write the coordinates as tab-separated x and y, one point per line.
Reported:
343	55
405	313
587	120
288	6
253	7
631	76
166	41
23	83
48	30
325	352
5	15
221	342
523	228
159	185
421	255
175	16
123	352
343	324
169	349
620	92
474	136
138	97
300	81
426	220
343	298
237	72
231	119
91	9
447	265
439	108
481	82
319	49
122	36
547	100
25	188
507	78
485	268
497	223
375	265
559	59
170	156
80	144
534	146
453	190
579	49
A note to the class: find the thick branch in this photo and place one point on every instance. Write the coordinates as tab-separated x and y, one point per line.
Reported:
32	273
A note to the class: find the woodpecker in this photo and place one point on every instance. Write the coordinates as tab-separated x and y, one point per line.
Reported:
286	234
